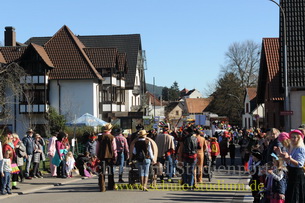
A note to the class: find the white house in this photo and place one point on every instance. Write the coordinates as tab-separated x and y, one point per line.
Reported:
100	75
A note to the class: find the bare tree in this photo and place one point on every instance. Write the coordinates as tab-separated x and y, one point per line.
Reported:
10	89
242	59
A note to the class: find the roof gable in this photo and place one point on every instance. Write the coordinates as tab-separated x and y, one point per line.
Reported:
11	54
2	60
67	54
129	44
197	105
269	73
251	91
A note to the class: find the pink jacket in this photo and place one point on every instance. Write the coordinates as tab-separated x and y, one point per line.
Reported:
52	146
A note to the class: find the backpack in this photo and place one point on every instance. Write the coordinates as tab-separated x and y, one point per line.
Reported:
190	145
214	148
140	156
141	148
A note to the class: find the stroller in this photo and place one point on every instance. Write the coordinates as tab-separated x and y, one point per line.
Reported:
207	169
133	174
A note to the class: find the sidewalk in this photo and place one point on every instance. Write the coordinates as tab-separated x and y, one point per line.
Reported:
36	184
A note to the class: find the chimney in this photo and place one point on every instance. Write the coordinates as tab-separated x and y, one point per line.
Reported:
9	36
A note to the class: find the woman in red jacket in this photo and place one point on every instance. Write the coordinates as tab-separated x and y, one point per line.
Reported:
214	149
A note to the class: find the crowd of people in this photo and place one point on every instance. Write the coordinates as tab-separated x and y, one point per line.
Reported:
274	159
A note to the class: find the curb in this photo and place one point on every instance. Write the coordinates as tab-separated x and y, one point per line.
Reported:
28	191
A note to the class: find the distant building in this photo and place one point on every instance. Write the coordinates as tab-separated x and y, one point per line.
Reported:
253	113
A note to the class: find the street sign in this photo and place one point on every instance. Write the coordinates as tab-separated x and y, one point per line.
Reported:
286	113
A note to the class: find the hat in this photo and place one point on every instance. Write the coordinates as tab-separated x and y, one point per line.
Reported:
283	136
139	127
257	154
117	131
107	127
29	131
142	133
296	132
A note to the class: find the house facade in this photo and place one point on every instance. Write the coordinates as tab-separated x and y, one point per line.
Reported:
76	75
253	113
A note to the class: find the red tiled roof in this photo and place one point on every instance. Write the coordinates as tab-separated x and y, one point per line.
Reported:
197	105
102	57
251	92
151	98
43	54
11	54
272	47
69	59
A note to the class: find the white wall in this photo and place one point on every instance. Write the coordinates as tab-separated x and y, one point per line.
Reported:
76	97
196	94
296	107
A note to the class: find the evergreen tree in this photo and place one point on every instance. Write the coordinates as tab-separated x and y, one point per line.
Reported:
174	92
227	98
165	93
56	121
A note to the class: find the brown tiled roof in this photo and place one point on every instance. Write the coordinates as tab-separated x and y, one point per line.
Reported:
2	60
269	72
122	60
197	105
67	54
251	92
43	54
102	57
130	44
11	54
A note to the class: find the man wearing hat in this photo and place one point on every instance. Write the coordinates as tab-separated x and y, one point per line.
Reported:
122	149
136	134
107	153
166	149
28	142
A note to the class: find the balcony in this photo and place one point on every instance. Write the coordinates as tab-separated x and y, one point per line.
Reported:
120	83
34	79
33	108
110	107
110	81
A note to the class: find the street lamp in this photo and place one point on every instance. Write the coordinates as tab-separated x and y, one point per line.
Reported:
286	96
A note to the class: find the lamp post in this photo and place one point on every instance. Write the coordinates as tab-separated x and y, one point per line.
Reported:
286	95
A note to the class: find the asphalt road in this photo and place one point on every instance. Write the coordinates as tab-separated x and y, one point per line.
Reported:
224	187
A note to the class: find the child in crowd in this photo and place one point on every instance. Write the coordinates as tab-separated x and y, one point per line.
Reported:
5	170
92	165
81	163
254	171
214	149
70	162
279	180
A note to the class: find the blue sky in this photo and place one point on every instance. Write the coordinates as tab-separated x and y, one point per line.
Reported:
184	40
